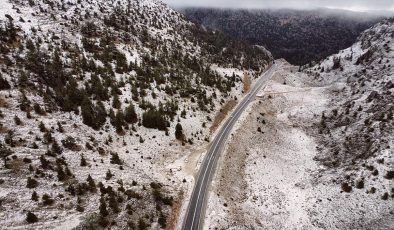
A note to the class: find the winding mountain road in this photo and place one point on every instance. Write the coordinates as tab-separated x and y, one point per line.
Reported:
196	208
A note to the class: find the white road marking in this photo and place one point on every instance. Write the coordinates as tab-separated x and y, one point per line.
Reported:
218	141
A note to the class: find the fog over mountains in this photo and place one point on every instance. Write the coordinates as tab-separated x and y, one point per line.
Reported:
299	36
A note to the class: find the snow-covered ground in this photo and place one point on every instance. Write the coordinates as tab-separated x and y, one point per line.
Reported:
269	177
157	33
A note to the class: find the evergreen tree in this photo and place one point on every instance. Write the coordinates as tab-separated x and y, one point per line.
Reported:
88	113
83	161
154	119
119	121
45	164
113	203
101	114
56	148
60	127
103	207
115	102
179	132
4	83
91	183
108	175
34	196
115	159
4	153
61	175
42	127
79	207
130	115
48	137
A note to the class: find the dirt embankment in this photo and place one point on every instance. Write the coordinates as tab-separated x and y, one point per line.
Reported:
222	114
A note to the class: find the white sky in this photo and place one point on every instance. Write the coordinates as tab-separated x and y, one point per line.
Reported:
355	5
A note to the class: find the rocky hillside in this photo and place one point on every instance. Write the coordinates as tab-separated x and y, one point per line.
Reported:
93	93
299	36
316	149
356	132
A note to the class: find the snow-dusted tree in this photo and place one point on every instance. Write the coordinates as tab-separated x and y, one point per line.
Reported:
179	132
4	153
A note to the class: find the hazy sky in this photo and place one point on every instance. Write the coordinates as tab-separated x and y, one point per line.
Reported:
356	5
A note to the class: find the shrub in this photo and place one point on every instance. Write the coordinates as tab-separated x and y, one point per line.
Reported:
70	143
115	159
17	120
108	175
83	161
34	196
47	200
389	175
31	218
56	148
4	83
346	187
31	183
360	184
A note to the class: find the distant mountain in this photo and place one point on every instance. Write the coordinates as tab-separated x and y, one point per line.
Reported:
299	36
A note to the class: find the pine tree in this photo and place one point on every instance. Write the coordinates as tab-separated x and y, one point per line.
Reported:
61	175
17	120
56	148
4	153
88	113
91	183
47	200
154	119
130	115
79	206
103	207
48	137
119	121
83	161
108	175
4	83
60	127
115	102
113	203
45	164
115	159
101	115
34	196
179	132
42	127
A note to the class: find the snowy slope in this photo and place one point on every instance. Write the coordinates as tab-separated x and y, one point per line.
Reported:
316	149
69	72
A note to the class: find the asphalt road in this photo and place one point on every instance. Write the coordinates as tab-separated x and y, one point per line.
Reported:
196	208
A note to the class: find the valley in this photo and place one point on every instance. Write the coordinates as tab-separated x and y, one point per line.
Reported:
124	114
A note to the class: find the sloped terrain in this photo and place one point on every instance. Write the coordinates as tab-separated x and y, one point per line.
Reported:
98	100
317	150
299	36
356	131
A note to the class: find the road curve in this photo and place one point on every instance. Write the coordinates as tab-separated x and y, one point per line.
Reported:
195	210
